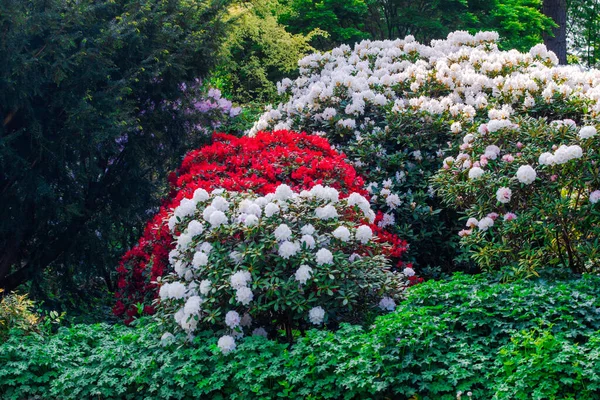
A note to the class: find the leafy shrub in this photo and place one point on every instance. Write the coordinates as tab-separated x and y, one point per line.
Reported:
446	337
287	259
539	365
16	312
527	178
259	164
258	52
397	108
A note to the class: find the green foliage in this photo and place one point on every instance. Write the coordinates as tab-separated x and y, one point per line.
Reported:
16	312
258	52
583	28
447	337
343	20
539	365
424	19
519	22
88	125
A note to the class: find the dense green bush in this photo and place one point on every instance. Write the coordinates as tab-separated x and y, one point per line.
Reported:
91	123
447	337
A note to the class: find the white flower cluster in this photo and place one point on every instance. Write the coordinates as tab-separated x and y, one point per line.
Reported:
285	220
561	155
470	69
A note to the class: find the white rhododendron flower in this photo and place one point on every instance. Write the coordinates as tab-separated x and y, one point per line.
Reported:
283	192
594	196
186	208
166	339
283	232
220	204
342	233
324	256
246	320
587	132
303	274
192	305
217	219
472	222
408	271
205	287
327	212
232	319
475	173
226	344
200	195
200	259
393	201
456	127
526	174
240	279
503	195
288	249
195	228
251	220
316	315
271	209
485	223
244	295
546	159
260	331
309	241
363	234
307	229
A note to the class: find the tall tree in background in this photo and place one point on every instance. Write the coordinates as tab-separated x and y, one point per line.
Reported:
343	20
583	31
89	124
424	19
557	39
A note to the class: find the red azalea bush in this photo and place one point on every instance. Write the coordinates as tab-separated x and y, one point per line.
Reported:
258	163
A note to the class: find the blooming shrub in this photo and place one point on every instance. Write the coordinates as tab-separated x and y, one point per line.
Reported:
247	263
398	108
534	202
207	110
258	164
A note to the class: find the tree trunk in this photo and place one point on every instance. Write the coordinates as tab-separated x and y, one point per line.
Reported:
557	41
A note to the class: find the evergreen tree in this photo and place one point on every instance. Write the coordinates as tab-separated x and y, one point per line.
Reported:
89	124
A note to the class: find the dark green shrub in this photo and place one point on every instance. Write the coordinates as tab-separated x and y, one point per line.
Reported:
91	124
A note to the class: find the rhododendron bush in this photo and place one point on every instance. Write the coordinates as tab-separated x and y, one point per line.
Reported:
259	164
530	189
246	263
398	108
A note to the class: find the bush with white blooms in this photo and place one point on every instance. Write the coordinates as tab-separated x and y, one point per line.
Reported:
247	264
399	108
535	203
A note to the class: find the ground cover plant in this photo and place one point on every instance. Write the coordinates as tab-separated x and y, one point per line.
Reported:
468	334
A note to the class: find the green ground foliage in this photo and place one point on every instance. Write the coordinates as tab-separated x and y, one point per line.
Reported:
511	341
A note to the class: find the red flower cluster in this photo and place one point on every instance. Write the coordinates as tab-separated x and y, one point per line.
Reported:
258	163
